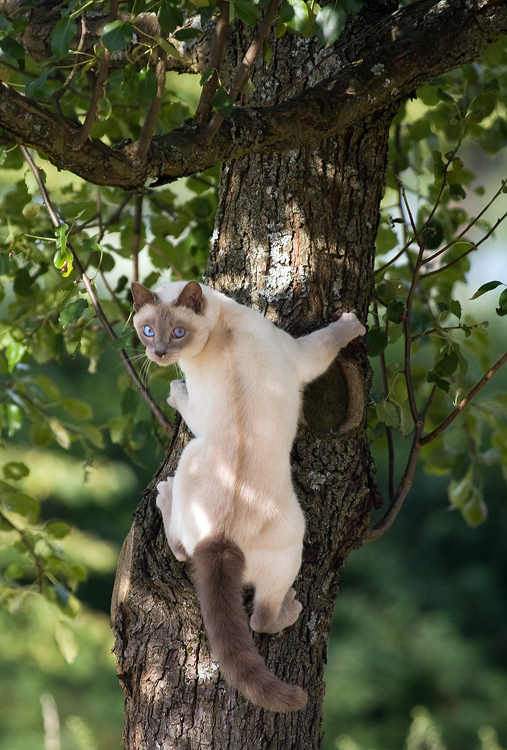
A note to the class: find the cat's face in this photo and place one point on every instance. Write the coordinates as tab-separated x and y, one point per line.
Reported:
170	330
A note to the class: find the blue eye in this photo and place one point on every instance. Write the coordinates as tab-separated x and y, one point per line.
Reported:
178	333
148	331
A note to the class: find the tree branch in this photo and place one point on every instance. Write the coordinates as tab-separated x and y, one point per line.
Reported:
145	394
82	134
464	402
245	66
143	143
422	41
216	57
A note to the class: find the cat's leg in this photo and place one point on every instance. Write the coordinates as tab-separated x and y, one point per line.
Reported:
275	605
164	503
265	618
179	400
315	352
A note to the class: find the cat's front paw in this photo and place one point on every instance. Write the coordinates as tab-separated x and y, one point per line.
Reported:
178	393
349	323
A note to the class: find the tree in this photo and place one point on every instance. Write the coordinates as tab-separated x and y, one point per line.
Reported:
306	157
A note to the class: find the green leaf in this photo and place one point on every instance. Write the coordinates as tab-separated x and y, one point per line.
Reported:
5	24
386	412
57	529
376	341
15	470
104	109
455	308
183	35
31	209
247	12
22	504
351	7
486	288
294	14
12	48
14	416
72	312
447	366
130	80
444	385
395	310
147	86
63	34
63	257
40	434
407	421
443	95
457	191
167	47
117	35
65	636
329	24
248	86
267	53
475	511
222	102
94	435
77	409
61	434
433	234
206	76
459	491
170	17
123	339
37	87
14	572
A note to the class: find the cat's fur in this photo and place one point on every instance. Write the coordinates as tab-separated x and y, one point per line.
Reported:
231	506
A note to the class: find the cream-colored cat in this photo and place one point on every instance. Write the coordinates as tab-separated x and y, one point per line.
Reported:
231	506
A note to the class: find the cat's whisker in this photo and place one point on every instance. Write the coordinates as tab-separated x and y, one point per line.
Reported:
145	370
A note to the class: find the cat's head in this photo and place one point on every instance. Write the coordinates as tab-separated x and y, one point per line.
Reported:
171	322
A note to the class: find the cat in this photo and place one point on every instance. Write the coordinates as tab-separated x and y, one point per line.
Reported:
231	507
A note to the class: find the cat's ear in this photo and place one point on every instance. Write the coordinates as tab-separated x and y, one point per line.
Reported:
191	297
141	295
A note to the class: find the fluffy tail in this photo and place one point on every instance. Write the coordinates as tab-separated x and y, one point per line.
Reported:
218	566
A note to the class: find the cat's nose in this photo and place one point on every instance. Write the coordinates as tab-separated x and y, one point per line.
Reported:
160	353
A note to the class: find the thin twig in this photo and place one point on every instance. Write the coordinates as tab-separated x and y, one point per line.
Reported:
142	145
81	135
472	249
145	394
58	94
245	67
379	529
204	109
389	430
24	539
464	402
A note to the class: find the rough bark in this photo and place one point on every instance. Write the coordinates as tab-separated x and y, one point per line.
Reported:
384	62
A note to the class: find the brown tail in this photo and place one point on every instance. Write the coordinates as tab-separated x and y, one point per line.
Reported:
218	566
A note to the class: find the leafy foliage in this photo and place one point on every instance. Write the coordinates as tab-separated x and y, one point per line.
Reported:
430	349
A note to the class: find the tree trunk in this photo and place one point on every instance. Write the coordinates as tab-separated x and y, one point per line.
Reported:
294	238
